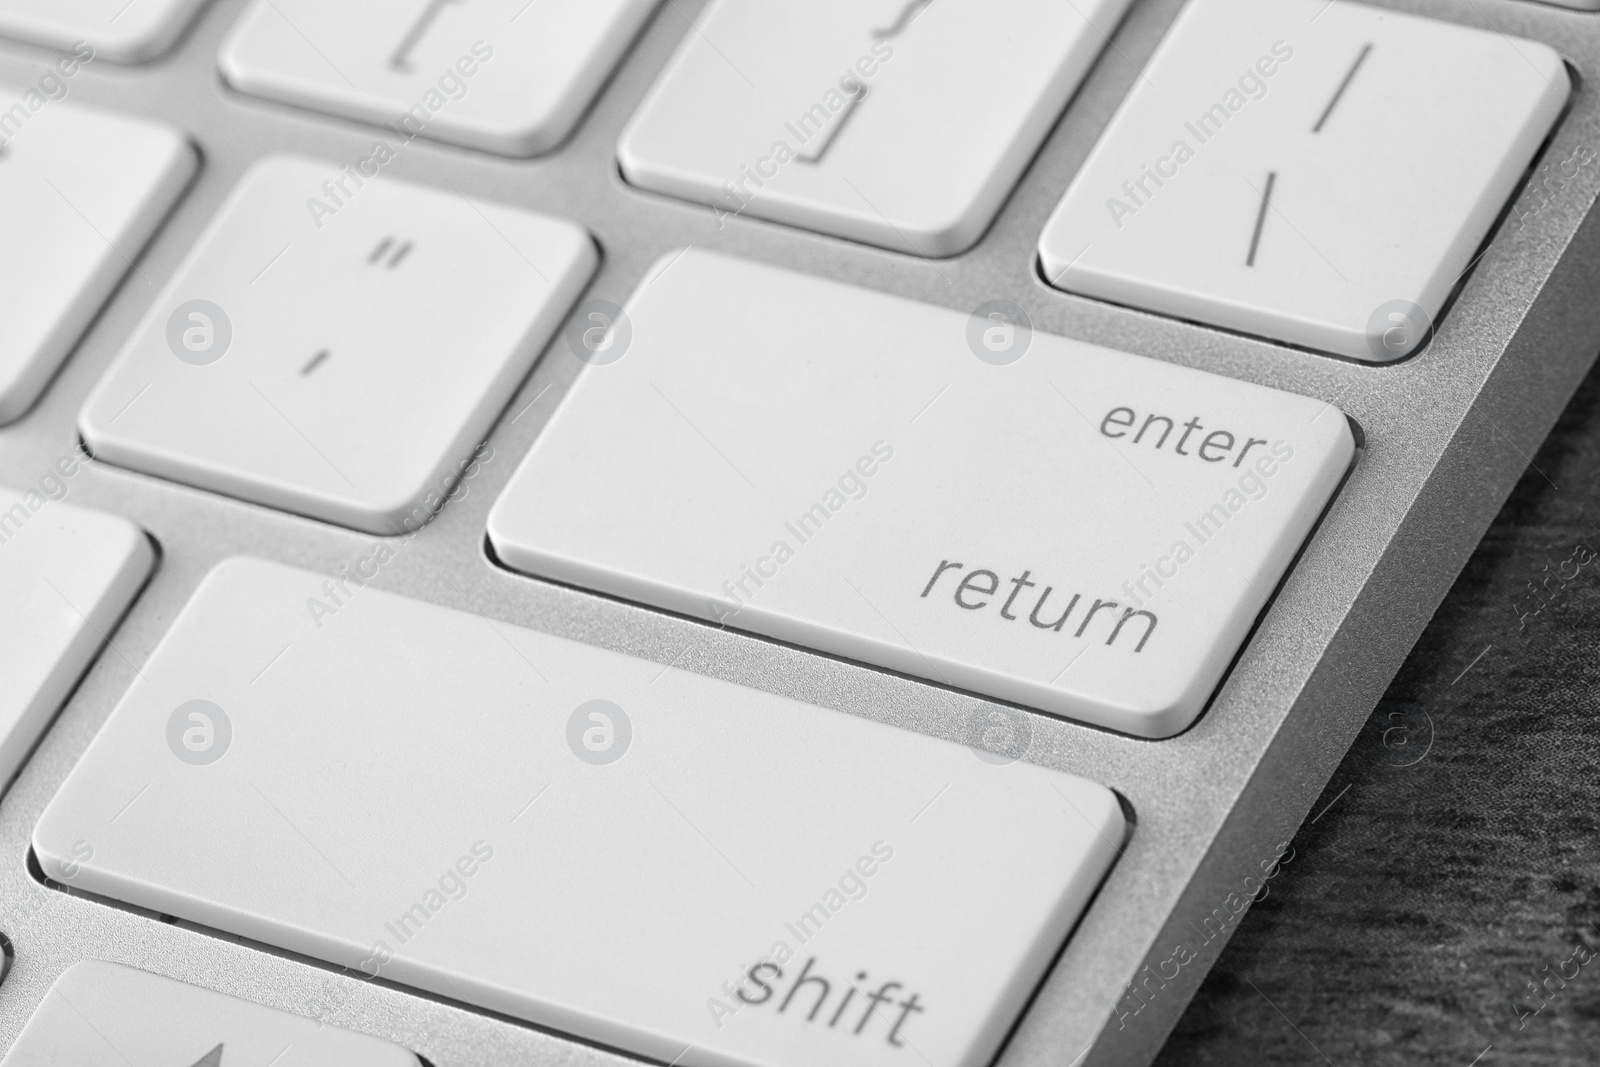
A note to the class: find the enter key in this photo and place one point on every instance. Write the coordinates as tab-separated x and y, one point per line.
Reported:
952	496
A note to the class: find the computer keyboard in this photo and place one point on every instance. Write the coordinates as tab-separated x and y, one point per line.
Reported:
730	533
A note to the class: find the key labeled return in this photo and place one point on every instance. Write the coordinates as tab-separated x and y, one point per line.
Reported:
1077	530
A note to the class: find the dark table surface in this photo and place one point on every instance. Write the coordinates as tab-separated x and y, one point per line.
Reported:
1454	857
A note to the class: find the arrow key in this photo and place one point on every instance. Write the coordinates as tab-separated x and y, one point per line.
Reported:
101	1014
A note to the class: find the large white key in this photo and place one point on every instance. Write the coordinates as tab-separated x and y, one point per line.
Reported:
122	31
505	76
1078	530
1315	173
901	123
100	1014
335	345
66	576
81	192
575	837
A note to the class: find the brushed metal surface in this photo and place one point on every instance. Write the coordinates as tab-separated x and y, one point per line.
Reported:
1446	433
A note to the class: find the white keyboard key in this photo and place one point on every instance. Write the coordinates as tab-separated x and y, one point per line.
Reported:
81	192
66	576
1081	531
574	837
121	31
505	76
1315	173
100	1014
341	363
900	123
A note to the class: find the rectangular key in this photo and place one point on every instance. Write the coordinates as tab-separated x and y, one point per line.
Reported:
67	574
81	191
335	345
121	31
1315	173
506	76
901	123
100	1014
952	496
657	861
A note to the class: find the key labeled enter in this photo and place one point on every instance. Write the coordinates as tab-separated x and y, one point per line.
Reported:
1078	530
336	347
1313	173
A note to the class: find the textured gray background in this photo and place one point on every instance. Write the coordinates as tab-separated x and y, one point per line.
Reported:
1431	887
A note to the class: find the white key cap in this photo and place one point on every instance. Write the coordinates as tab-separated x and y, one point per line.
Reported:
81	192
1315	173
505	76
837	468
895	122
117	30
100	1014
66	576
575	837
340	362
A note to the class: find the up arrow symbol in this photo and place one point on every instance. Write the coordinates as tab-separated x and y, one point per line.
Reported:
210	1059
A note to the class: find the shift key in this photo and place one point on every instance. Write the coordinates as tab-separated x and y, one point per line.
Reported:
649	859
950	495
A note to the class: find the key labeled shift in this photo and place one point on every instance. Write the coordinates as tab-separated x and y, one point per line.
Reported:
654	860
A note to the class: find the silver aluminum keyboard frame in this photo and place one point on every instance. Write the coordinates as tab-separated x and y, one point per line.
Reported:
1447	434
